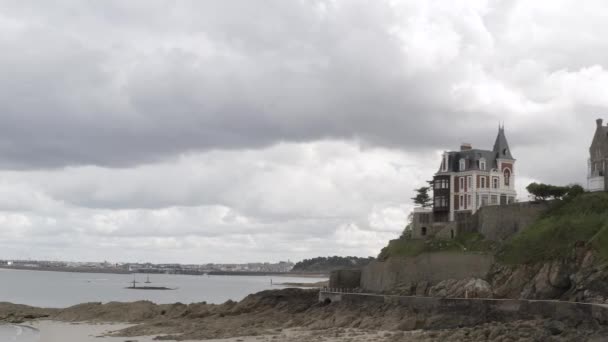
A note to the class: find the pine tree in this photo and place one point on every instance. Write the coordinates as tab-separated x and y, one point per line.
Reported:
422	197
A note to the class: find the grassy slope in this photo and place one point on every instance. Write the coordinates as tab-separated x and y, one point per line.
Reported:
410	247
582	219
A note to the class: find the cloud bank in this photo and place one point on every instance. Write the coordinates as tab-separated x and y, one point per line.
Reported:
164	131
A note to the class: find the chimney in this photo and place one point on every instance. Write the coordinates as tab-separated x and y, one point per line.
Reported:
465	146
599	122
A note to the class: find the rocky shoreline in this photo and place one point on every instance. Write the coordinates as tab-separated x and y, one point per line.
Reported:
296	315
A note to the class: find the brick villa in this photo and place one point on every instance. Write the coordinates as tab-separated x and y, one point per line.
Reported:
467	180
598	159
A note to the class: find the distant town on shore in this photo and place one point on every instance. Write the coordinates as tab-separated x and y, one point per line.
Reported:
319	265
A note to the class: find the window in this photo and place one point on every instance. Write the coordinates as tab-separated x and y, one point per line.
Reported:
483	182
507	174
484	200
423	231
495	182
493	200
461	182
444	163
441	202
463	164
470	182
469	202
482	164
424	218
441	184
461	204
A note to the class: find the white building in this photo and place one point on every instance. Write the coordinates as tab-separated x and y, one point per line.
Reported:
471	178
598	156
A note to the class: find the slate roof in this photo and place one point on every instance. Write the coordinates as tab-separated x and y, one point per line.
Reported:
501	150
600	141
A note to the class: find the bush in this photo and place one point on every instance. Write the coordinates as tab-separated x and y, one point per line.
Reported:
469	242
583	218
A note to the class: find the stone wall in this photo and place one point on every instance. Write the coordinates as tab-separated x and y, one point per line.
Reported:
345	279
500	222
483	309
381	276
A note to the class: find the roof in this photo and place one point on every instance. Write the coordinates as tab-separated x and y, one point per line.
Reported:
501	146
599	145
501	150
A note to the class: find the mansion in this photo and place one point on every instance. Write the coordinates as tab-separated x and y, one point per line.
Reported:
598	158
467	180
470	178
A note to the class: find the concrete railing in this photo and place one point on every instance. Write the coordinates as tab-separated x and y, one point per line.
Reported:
486	307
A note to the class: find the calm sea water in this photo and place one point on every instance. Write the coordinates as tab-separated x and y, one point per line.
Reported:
61	289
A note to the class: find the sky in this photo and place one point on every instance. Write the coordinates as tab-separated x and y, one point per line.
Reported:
236	131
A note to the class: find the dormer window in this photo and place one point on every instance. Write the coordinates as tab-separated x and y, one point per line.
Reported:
444	163
482	164
463	164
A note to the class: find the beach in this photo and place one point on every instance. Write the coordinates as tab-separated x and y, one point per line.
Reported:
290	315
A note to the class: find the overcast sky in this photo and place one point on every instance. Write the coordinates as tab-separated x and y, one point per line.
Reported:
234	131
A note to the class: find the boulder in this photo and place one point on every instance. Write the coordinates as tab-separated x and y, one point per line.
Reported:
464	288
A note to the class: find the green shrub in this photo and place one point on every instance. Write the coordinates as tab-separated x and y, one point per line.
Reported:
469	242
581	219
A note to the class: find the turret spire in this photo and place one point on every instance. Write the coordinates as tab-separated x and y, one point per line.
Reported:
501	146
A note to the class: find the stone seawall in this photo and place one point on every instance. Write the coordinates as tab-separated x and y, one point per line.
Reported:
498	223
482	309
345	279
382	276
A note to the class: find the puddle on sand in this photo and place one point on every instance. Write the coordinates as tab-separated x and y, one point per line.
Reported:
19	333
51	331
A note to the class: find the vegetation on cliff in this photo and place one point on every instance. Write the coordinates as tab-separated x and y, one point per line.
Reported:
328	264
407	247
577	221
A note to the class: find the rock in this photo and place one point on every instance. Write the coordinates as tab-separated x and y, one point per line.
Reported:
407	324
559	275
422	288
511	281
464	288
555	327
478	288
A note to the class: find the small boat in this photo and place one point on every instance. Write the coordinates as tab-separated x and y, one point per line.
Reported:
135	287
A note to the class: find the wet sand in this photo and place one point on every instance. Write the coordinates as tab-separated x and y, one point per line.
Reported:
290	315
52	331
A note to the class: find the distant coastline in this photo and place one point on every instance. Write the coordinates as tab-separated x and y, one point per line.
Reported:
189	272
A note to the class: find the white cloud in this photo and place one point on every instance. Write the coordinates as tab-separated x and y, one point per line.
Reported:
172	131
303	194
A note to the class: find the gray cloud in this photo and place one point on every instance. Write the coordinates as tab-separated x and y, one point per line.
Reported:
183	126
119	85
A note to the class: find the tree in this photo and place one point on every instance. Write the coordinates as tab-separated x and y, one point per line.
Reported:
542	192
574	191
407	231
423	198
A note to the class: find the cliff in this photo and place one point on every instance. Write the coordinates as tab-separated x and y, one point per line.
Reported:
562	255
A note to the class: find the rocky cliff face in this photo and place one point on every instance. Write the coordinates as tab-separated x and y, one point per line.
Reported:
581	277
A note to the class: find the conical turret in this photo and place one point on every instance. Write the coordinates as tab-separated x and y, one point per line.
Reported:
501	146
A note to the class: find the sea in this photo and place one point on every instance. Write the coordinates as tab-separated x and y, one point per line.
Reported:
64	289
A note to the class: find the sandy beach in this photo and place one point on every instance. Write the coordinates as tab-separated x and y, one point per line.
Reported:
54	331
